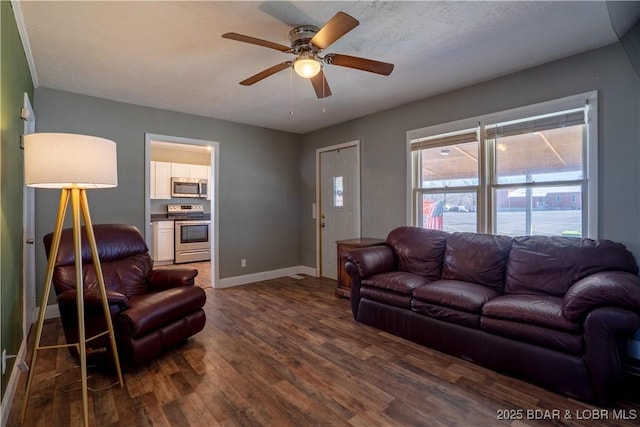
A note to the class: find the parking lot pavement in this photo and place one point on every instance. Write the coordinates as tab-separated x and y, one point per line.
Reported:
547	223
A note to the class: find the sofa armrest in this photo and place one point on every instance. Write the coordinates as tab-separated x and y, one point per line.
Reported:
162	279
371	260
365	262
92	298
606	333
607	288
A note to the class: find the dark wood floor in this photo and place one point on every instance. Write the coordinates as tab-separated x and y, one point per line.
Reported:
286	352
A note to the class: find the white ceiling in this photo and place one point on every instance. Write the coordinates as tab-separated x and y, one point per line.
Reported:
170	54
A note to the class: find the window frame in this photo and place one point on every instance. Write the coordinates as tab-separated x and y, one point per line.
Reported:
487	178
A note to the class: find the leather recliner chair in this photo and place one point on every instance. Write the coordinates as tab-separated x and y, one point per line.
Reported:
151	309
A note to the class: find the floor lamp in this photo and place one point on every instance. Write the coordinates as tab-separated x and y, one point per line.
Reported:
73	164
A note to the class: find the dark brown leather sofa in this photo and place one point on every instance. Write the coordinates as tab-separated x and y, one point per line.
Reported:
556	311
151	309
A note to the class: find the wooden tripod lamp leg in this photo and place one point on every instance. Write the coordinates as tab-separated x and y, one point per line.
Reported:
84	204
82	341
55	246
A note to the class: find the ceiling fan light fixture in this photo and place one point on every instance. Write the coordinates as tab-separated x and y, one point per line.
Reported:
307	65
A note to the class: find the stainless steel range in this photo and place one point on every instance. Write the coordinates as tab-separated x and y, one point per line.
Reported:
192	233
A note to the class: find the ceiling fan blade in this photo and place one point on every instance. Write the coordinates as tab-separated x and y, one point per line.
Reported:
256	41
338	26
363	64
319	82
265	73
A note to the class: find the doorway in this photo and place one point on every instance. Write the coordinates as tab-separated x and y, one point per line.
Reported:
338	199
213	180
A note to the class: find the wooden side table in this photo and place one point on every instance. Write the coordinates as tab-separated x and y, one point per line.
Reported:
344	281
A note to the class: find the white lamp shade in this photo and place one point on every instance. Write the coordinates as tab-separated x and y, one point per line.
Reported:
59	160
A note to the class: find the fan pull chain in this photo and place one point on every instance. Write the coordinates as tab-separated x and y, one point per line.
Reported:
291	91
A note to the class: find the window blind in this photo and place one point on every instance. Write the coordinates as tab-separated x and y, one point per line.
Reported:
443	140
565	119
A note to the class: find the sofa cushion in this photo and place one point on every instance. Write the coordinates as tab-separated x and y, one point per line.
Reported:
532	318
393	288
453	301
419	250
550	265
541	310
386	296
476	258
469	297
397	281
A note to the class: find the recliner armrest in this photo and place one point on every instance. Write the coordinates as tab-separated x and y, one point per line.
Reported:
92	298
166	278
371	260
603	289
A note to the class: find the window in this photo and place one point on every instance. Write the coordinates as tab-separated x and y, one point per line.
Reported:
530	171
338	192
446	168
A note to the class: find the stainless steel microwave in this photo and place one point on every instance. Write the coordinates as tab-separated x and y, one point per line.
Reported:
189	187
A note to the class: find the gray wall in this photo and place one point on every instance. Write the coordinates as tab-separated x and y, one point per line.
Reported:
259	212
383	141
15	80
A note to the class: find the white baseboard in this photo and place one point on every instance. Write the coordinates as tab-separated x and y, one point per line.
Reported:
51	312
228	282
309	271
12	385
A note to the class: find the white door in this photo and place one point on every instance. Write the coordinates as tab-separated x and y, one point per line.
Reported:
28	233
339	203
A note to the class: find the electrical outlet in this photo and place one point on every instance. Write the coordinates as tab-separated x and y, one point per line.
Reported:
4	361
243	263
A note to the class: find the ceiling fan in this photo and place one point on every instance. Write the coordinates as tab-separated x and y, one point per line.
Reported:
307	42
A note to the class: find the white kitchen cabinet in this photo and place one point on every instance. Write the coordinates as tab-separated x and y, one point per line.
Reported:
163	241
180	170
160	180
199	171
185	170
163	180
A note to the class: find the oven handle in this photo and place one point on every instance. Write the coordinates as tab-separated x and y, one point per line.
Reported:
193	222
206	251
